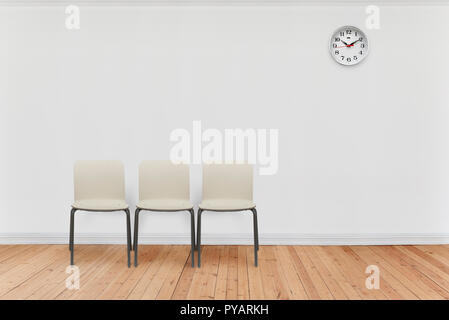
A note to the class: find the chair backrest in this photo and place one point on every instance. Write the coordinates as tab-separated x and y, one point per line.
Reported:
161	179
228	181
99	179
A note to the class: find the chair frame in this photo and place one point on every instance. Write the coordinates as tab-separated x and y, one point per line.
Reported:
136	231
255	231
72	231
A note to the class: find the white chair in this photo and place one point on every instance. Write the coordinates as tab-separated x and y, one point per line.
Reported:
228	187
99	187
164	187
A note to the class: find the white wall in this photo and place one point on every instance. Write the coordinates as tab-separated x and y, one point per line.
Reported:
363	150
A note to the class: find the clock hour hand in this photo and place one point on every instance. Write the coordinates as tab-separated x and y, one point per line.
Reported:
344	42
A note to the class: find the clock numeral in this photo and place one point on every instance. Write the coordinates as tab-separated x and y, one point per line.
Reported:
362	45
348	31
342	34
361	39
337	52
334	45
348	59
361	52
342	57
355	58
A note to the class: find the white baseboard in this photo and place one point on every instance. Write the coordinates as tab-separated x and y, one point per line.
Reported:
233	239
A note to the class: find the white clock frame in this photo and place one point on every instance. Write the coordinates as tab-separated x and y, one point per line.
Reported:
332	50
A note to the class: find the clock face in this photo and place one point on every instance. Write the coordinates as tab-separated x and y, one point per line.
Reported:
348	45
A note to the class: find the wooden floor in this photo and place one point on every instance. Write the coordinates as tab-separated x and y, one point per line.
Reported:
284	272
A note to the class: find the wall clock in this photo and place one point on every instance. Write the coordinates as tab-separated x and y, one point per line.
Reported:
348	45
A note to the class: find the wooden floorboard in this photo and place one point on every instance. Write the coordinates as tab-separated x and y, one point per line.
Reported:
227	272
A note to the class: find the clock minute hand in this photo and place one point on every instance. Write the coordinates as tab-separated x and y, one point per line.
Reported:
352	44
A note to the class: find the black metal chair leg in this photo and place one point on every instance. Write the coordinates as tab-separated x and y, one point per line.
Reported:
192	236
256	236
72	231
198	241
136	234
195	243
128	236
256	229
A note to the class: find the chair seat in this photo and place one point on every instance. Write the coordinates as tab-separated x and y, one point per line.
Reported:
100	205
165	204
227	204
